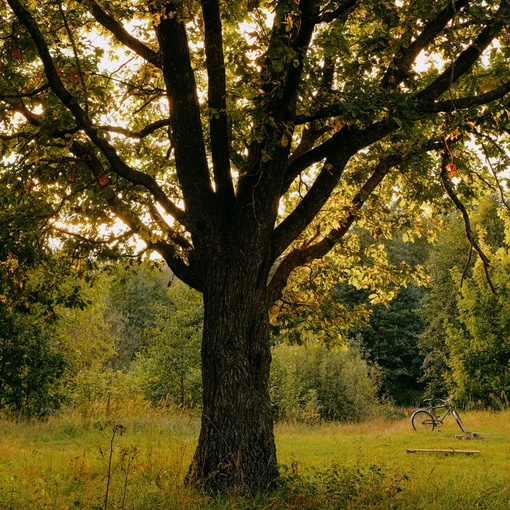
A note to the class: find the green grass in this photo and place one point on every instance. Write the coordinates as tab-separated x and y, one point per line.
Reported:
64	464
420	480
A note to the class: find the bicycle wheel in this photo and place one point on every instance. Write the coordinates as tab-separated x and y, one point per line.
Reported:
422	420
458	420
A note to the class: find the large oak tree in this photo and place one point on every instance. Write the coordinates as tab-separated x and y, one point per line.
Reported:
241	140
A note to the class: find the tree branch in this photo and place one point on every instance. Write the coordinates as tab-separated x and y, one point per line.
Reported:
88	240
113	26
188	138
421	106
401	65
299	41
21	95
499	187
334	110
446	160
342	10
146	131
309	252
468	57
217	100
463	102
174	236
359	137
308	138
70	102
166	250
337	151
312	203
76	57
137	226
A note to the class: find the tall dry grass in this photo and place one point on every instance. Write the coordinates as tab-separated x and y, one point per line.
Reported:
137	457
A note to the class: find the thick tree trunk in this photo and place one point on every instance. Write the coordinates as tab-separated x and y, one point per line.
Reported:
236	447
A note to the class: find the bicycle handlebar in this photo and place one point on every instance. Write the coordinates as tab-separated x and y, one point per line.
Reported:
443	401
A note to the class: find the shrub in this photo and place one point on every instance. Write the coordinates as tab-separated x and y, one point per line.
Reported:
31	367
311	382
168	368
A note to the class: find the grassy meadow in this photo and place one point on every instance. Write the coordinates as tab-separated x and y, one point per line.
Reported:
139	460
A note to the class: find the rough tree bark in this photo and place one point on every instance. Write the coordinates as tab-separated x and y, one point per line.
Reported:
236	447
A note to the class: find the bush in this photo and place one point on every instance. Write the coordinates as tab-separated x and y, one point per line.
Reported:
31	367
311	382
340	486
168	368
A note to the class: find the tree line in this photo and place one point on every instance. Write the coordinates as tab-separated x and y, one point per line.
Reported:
133	332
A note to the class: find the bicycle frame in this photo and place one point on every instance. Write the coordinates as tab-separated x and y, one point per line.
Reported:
436	419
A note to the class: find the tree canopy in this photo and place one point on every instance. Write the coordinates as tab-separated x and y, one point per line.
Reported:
241	140
91	95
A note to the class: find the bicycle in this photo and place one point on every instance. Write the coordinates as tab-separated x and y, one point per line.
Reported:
429	417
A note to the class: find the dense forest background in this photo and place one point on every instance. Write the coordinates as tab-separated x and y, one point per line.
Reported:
93	336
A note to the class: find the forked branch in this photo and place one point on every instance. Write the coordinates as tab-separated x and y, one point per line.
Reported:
313	251
469	56
82	119
166	249
217	100
473	244
401	65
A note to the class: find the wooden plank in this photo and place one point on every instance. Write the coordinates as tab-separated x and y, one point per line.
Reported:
450	450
